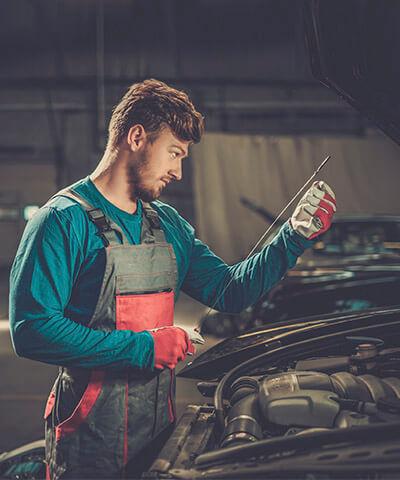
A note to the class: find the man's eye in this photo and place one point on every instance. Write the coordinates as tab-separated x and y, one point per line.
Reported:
174	155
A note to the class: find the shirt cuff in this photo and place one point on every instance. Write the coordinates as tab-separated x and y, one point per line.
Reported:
146	350
294	237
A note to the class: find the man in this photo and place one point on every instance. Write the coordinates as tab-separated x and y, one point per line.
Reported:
96	275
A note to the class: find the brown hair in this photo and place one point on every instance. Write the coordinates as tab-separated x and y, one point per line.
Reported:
155	105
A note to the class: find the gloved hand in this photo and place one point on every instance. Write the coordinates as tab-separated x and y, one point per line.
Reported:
313	214
171	344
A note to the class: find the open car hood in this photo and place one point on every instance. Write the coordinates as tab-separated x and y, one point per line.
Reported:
231	352
353	47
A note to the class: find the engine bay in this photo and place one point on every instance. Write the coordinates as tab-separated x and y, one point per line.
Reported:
297	407
308	398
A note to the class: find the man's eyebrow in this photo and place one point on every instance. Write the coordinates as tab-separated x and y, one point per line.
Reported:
180	148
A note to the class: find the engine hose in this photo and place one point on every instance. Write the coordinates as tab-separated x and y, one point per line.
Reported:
243	423
225	383
244	418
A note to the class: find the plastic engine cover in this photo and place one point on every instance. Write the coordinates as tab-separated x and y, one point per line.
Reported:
310	399
305	408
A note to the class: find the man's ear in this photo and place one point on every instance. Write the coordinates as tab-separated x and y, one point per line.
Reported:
136	137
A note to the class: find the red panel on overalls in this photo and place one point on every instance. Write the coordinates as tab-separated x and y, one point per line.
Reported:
49	404
144	311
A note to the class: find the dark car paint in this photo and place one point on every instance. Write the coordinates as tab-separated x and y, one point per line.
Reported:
353	51
326	279
231	352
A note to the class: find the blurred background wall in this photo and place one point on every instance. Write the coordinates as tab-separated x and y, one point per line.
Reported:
268	170
65	63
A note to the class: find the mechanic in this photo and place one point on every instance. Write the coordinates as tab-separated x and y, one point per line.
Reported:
96	276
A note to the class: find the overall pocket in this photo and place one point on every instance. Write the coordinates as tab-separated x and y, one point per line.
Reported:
144	311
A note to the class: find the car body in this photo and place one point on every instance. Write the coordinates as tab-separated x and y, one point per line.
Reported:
280	421
25	462
354	266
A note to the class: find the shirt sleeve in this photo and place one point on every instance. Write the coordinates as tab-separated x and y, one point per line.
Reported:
46	265
245	282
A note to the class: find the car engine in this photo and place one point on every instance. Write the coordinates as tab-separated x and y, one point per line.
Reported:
292	403
294	413
304	399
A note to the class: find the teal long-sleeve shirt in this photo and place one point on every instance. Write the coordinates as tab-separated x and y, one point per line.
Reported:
58	269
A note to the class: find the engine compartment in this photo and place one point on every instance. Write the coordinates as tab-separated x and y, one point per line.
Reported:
316	393
291	403
299	408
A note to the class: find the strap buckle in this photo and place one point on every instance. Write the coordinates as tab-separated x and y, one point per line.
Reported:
99	219
153	218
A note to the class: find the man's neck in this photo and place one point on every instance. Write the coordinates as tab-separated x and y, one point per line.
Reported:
110	179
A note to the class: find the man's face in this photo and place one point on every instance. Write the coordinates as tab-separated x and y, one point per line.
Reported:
156	165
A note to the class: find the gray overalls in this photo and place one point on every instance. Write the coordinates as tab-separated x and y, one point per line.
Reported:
110	415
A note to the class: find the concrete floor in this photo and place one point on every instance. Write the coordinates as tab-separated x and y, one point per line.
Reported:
25	384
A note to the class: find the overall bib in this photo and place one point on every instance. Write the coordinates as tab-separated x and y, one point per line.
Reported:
97	420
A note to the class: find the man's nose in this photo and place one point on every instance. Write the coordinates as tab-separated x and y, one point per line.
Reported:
176	171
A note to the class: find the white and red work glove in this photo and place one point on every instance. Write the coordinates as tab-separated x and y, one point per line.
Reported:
171	345
314	213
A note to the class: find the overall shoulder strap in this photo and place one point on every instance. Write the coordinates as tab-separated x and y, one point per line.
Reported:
151	226
109	231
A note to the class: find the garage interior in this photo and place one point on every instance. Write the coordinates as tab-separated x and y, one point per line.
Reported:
247	66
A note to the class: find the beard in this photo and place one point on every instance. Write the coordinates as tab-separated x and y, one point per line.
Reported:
137	189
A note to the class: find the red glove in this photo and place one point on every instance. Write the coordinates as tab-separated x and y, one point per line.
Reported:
314	213
171	344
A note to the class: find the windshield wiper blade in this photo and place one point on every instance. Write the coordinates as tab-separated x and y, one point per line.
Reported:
303	443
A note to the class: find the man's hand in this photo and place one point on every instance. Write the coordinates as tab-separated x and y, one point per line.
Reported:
194	335
313	215
171	345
